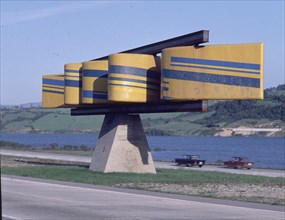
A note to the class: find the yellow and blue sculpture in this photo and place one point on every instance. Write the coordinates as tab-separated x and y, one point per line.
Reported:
212	72
94	82
183	78
53	91
73	83
134	78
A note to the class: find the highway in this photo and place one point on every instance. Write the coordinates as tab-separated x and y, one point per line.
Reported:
158	164
26	198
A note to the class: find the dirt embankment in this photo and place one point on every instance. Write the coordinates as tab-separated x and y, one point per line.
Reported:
242	192
248	131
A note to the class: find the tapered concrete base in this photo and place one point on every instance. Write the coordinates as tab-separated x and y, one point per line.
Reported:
122	146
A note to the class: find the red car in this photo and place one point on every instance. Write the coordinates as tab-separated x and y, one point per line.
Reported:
239	162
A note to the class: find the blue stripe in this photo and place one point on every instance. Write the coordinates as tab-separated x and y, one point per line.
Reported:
53	82
73	71
221	63
165	88
134	80
166	97
211	78
95	73
73	83
51	91
94	95
134	71
53	87
209	68
112	84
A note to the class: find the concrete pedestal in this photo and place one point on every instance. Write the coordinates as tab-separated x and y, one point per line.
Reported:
122	146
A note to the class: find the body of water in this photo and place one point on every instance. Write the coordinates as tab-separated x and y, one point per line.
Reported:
266	152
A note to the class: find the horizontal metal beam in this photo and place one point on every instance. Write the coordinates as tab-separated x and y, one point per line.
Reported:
195	38
189	106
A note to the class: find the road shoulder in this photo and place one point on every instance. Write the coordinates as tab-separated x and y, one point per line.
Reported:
155	194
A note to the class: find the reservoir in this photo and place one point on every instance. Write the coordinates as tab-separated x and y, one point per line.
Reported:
266	152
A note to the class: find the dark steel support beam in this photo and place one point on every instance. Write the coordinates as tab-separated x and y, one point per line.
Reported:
189	106
195	38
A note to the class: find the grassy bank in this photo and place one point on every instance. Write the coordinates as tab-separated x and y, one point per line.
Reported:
188	182
81	174
82	150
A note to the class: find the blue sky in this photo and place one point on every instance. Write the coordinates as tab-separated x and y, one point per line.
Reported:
39	37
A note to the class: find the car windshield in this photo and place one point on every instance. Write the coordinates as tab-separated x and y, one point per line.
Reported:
239	158
186	156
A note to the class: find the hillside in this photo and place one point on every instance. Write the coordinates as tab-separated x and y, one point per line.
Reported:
222	118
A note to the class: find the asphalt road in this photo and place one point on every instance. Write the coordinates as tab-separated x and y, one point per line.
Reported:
25	198
158	164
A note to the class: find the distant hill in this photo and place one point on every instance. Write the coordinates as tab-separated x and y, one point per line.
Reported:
27	105
223	118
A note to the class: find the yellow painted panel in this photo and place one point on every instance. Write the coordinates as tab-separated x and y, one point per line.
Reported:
142	85
208	91
53	91
73	83
98	84
134	78
71	75
213	72
130	93
94	82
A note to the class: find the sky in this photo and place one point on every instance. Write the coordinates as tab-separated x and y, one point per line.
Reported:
39	37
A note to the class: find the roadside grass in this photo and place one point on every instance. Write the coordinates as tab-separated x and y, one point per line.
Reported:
81	174
88	152
81	150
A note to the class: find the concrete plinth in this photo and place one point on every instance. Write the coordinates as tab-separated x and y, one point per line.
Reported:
122	146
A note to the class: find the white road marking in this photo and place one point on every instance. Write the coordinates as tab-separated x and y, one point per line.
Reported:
11	217
41	197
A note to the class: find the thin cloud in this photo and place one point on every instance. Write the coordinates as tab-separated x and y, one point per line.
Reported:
15	17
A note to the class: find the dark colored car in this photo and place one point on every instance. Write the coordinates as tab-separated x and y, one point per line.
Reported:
239	163
190	160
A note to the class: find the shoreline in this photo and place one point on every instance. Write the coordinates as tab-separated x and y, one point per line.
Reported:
85	160
224	132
